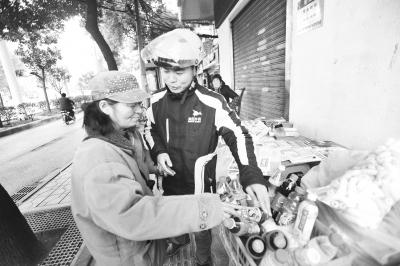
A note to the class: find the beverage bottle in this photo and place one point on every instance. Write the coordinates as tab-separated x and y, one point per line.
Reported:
301	192
279	257
275	240
223	190
306	217
288	185
288	212
241	227
277	204
254	214
256	247
238	194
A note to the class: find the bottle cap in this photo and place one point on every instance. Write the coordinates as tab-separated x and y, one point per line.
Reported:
336	239
312	196
280	240
258	245
313	256
282	256
229	223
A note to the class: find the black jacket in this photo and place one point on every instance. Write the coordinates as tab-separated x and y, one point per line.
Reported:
187	128
66	104
227	92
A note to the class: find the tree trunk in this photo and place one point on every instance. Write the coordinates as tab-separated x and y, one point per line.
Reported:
92	27
140	46
18	243
44	90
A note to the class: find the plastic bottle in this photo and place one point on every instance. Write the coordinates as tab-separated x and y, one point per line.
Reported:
277	204
288	212
238	194
256	247
223	190
275	240
306	216
279	257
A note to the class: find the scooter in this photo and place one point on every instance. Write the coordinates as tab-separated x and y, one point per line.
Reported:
67	117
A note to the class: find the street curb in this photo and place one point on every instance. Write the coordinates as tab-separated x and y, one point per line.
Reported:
28	126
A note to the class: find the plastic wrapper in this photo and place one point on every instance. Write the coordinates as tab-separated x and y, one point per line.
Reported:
359	194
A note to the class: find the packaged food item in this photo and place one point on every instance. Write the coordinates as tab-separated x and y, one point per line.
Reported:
256	246
279	257
275	240
306	217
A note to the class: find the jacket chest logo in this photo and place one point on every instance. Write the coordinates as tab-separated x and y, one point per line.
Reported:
195	118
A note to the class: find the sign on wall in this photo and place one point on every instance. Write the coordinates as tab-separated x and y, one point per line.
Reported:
309	15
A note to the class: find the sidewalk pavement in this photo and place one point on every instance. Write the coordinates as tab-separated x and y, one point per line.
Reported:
5	131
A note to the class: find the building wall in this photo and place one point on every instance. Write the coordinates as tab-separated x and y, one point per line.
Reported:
345	75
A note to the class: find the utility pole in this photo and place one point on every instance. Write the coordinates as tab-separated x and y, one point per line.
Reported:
140	46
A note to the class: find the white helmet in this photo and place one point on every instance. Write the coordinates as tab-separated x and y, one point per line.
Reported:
176	48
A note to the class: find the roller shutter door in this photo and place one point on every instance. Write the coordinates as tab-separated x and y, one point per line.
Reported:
259	57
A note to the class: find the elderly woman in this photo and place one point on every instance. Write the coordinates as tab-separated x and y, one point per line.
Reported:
120	220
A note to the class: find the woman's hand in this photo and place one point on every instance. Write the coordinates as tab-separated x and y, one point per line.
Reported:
164	164
230	209
260	193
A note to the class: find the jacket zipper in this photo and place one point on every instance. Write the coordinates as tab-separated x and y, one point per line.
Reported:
167	129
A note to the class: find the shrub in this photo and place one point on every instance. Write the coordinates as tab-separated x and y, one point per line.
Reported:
7	113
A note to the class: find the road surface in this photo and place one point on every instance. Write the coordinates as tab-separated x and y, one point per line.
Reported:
30	155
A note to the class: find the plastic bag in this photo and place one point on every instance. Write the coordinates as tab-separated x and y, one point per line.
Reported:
361	192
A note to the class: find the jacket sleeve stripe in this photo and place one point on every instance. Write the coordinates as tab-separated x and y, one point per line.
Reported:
231	122
147	132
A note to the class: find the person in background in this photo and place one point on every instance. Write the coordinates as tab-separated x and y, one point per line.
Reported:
184	123
223	89
120	220
66	104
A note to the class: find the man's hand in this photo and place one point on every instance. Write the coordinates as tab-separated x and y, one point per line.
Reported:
259	193
165	164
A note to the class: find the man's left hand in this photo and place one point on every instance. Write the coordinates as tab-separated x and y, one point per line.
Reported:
260	193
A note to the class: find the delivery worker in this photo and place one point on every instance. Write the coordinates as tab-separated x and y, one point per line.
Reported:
184	123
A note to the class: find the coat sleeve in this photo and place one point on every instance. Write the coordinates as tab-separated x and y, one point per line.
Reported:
230	93
117	204
152	135
240	144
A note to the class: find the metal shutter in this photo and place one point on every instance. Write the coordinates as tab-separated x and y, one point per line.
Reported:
259	57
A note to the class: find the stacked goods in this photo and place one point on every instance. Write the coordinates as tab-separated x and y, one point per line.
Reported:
286	237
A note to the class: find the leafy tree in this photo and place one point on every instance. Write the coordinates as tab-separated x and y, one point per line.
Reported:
17	17
58	77
38	51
